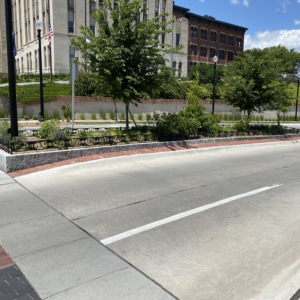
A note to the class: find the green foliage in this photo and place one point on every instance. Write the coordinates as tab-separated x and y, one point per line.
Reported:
241	126
46	116
34	117
122	115
103	115
67	112
112	115
26	117
86	85
36	78
140	117
82	116
206	74
48	130
4	125
57	115
254	83
125	54
2	113
148	117
30	93
94	116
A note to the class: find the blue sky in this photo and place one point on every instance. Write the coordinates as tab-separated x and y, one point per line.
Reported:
270	22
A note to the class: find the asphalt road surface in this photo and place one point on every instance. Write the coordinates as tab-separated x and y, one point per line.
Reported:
201	225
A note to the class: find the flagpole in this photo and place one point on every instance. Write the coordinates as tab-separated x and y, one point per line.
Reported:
50	51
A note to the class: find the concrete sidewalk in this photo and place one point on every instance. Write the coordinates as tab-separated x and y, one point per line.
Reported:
60	260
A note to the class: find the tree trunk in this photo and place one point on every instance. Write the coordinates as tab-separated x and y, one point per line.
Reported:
127	116
278	118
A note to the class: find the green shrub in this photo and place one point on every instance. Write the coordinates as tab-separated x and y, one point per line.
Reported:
94	116
46	116
82	116
261	117
4	125
34	117
241	126
26	117
225	117
103	115
257	118
122	115
112	115
230	118
67	112
48	130
86	85
140	117
57	115
2	113
148	117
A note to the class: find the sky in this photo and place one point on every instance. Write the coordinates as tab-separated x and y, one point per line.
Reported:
270	22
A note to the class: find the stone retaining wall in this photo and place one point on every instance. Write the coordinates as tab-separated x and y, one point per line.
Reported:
11	163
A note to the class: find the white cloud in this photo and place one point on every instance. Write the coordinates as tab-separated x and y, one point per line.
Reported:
246	2
235	2
297	22
202	1
288	38
284	4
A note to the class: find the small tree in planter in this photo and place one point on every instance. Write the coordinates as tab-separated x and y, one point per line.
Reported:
126	53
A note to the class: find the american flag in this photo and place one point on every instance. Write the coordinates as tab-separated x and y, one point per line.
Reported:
50	34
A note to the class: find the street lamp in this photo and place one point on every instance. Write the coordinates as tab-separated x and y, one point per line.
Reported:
215	59
39	27
296	117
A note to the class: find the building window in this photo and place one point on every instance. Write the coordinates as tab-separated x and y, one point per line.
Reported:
239	42
71	16
177	39
195	64
45	56
213	36
192	49
145	13
191	65
212	52
180	69
92	21
101	4
222	55
163	6
230	40
195	50
203	34
30	62
156	8
192	31
230	56
36	60
222	38
203	51
195	32
22	65
174	67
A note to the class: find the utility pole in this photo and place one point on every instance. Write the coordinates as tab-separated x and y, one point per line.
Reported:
11	71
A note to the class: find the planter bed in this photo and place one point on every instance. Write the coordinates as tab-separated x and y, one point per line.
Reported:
33	158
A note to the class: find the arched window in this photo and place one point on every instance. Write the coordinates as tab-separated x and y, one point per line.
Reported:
174	67
180	69
192	49
195	32
192	31
195	50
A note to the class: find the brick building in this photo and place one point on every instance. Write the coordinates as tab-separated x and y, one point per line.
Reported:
209	37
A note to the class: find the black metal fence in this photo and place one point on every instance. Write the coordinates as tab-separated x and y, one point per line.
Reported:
67	139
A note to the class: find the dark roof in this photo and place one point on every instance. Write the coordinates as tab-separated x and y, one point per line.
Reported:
207	19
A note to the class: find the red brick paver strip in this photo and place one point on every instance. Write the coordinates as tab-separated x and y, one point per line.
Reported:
142	151
5	260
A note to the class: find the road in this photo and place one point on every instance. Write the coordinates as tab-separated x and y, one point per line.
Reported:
214	224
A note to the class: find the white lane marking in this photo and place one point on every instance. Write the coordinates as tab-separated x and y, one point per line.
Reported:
135	231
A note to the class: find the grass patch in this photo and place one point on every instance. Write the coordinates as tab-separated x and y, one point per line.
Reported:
30	93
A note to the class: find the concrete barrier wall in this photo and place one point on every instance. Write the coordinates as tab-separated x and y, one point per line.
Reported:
88	105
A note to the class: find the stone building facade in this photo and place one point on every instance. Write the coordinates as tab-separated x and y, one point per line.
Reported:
3	46
68	15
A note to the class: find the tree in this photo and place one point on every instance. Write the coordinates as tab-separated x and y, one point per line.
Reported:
254	83
125	53
206	74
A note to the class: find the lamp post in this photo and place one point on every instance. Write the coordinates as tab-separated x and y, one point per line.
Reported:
39	27
215	59
296	117
11	71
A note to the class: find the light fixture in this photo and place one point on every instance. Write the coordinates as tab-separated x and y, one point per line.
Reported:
215	59
39	25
